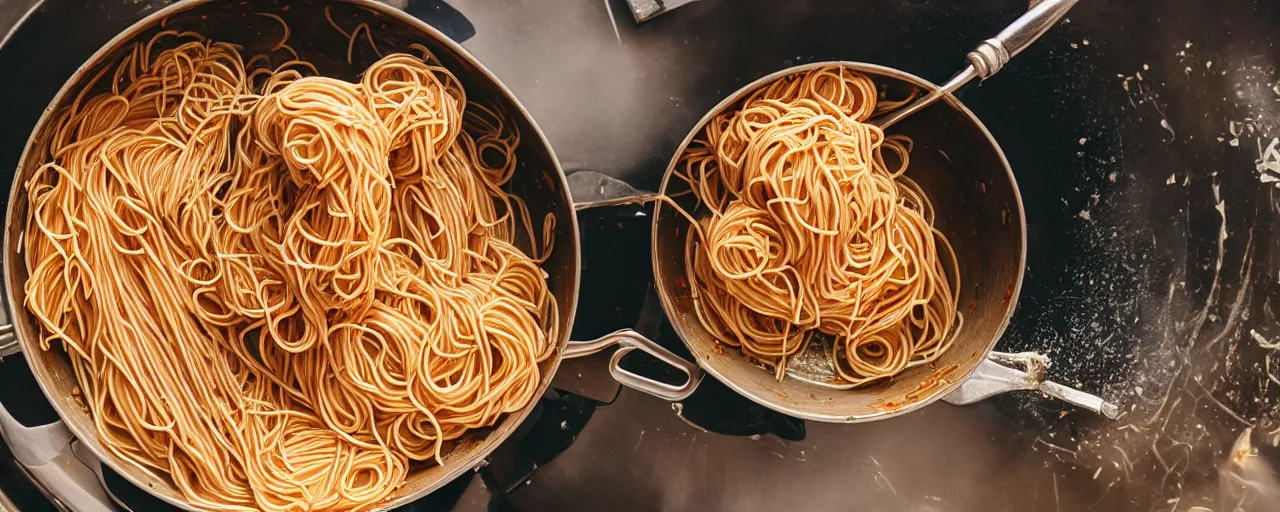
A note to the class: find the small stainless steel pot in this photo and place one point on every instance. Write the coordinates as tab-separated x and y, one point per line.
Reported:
963	171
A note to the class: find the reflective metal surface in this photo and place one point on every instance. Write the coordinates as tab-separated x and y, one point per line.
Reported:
959	166
993	378
537	178
1151	253
627	340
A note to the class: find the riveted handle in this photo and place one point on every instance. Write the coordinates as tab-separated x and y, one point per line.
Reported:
628	340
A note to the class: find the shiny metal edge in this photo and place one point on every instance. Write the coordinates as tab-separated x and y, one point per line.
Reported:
943	390
140	26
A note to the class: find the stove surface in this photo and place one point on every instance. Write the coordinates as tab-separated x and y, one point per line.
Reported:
1134	129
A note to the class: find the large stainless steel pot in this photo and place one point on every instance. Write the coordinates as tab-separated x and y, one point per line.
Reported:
538	179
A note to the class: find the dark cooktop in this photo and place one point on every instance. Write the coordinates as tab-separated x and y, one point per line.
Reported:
1134	130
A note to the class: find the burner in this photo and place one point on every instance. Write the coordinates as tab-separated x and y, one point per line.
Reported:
560	417
716	408
16	385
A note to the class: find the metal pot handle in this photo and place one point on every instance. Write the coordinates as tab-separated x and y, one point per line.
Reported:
994	377
52	456
591	189
33	446
628	340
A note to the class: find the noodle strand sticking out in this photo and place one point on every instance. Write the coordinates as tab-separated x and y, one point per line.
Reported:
813	227
281	289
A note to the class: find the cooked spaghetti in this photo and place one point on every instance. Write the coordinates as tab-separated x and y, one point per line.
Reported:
811	227
280	289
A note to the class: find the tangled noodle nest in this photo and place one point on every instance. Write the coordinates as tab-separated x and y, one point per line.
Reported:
280	288
812	227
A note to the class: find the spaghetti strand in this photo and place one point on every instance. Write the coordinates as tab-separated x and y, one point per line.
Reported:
813	228
282	290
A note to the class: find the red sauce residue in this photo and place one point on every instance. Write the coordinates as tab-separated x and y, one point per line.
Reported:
973	305
930	383
1008	295
884	406
78	396
719	348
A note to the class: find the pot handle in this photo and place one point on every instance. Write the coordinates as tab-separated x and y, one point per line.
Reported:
58	462
33	446
628	340
591	189
994	377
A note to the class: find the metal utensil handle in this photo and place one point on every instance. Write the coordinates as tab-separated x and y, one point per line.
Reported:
1080	399
991	55
629	340
993	378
